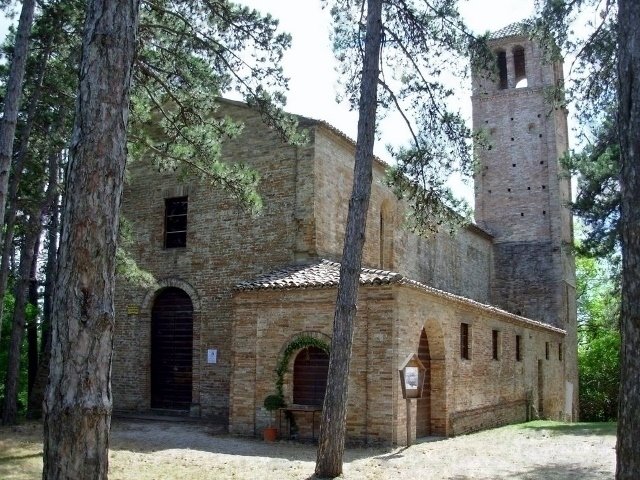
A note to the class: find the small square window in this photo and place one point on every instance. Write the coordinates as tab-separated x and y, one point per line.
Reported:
175	222
464	341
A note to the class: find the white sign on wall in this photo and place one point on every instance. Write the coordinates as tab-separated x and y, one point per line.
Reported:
212	355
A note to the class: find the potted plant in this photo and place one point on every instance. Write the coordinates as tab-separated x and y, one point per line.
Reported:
271	404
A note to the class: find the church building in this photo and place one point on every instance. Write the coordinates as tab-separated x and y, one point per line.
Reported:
243	306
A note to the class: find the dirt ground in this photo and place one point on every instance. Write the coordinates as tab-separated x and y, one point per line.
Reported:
144	450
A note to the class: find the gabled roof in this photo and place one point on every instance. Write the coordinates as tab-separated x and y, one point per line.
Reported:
326	274
516	29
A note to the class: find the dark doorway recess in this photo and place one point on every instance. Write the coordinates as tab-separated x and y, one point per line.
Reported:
310	376
423	415
171	350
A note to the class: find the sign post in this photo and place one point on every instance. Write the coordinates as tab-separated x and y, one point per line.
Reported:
412	373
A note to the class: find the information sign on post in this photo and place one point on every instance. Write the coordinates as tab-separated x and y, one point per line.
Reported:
412	373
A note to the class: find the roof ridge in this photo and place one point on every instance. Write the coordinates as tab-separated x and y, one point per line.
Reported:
515	29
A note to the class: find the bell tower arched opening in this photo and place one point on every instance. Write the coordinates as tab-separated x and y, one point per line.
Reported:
519	67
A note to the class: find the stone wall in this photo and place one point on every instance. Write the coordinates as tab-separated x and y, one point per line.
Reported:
459	264
465	395
225	245
267	321
522	191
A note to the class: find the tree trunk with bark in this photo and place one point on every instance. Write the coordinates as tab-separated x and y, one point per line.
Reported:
12	98
628	448
32	321
18	167
334	413
34	407
11	385
78	399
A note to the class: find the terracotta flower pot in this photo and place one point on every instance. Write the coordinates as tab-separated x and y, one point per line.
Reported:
270	434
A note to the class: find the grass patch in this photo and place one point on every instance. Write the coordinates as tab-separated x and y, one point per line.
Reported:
578	428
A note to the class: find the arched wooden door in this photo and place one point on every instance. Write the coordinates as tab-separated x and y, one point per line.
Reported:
310	370
423	415
171	350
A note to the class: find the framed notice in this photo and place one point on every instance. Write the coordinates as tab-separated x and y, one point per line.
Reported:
411	378
212	355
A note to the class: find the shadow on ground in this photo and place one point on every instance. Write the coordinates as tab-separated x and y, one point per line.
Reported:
147	437
553	471
19	457
583	428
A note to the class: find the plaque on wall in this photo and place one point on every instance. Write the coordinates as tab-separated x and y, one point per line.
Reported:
212	355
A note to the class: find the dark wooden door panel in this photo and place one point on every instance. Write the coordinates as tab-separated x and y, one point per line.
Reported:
310	376
171	350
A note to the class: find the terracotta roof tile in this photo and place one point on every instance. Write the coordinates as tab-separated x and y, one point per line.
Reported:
323	273
517	29
326	274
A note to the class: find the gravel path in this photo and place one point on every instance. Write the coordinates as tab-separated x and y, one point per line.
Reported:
143	450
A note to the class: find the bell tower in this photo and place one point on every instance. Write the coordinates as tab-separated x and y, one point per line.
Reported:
522	191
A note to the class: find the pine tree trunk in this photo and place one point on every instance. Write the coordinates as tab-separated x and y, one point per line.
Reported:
12	99
18	167
78	400
11	385
628	448
52	251
32	324
34	407
334	413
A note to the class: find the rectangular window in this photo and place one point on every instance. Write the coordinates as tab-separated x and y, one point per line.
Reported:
464	341
560	351
175	222
518	348
495	342
502	70
546	350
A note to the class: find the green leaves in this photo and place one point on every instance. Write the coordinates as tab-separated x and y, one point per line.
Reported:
191	53
597	203
425	46
587	30
598	296
599	370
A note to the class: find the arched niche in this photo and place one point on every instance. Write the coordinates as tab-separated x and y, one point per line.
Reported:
519	67
432	408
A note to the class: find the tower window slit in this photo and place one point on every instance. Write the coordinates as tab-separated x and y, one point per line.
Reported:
502	70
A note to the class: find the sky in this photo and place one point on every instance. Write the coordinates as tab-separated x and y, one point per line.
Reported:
310	64
311	67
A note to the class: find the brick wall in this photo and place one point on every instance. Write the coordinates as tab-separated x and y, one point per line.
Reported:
224	246
460	264
465	395
522	192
